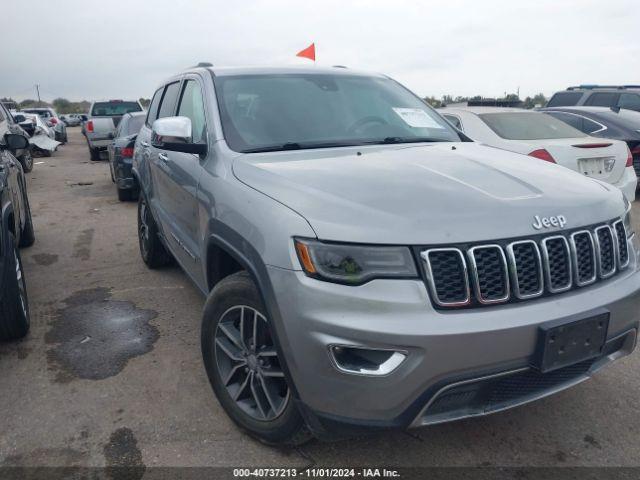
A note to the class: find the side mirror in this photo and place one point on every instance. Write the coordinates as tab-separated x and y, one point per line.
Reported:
13	142
174	134
19	118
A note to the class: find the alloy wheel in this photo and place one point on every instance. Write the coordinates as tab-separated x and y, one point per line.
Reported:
22	290
144	228
248	363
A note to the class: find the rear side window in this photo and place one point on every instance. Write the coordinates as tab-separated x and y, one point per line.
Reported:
574	120
111	109
603	99
589	126
168	105
630	101
152	115
565	99
134	124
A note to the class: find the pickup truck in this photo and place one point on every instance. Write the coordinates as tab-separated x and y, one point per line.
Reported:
103	120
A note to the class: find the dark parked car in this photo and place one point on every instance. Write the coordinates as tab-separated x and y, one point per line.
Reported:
606	123
121	154
619	96
16	230
8	124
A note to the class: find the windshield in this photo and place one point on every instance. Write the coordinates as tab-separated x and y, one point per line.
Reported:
110	109
290	111
529	126
135	124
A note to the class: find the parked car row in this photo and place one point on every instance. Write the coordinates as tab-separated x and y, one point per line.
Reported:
365	262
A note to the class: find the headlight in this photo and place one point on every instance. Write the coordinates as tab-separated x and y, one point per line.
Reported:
354	264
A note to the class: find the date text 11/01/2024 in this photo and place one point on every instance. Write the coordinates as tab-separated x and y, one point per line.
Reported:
316	472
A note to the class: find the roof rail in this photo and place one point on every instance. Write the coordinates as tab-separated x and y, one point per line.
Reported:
204	64
592	87
339	66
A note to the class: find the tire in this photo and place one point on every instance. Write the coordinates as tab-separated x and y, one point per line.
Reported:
27	161
14	307
124	195
47	153
27	236
232	364
152	251
94	154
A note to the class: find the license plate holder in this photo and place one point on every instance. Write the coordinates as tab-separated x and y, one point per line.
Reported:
591	167
568	341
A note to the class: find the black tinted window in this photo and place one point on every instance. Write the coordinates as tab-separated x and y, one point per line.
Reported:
564	99
453	120
602	99
630	101
153	107
589	126
574	120
168	105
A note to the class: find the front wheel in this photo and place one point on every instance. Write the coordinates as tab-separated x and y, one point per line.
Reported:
27	161
243	365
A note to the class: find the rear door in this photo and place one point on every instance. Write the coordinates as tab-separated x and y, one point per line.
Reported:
602	99
183	171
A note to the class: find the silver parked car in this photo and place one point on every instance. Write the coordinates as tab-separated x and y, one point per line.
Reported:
365	264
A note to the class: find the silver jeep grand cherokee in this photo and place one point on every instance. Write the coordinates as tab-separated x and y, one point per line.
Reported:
366	265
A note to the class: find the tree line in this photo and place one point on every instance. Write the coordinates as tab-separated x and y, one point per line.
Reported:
60	105
538	100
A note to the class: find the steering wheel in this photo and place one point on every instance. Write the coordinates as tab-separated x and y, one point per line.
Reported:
365	120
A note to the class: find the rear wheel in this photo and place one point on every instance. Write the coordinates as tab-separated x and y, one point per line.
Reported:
125	195
14	322
243	365
153	252
27	236
94	153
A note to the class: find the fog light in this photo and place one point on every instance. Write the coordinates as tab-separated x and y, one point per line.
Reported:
365	361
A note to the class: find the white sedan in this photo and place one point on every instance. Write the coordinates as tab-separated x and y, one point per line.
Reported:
546	138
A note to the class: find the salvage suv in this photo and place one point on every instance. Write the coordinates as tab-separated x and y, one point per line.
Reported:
365	264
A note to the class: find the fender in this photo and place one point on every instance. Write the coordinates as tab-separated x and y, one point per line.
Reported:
244	253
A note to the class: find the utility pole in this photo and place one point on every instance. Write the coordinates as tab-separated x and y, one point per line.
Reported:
38	92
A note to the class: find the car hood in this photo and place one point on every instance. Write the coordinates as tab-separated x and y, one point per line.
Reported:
425	194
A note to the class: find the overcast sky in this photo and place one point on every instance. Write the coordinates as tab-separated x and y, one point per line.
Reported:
123	48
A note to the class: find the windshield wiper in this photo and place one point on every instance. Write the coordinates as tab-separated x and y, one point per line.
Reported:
390	140
300	146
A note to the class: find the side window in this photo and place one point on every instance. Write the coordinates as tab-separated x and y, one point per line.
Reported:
168	105
591	126
152	115
602	99
630	101
574	120
454	120
121	127
192	106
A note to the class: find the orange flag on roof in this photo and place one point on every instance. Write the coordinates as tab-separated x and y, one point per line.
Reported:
309	52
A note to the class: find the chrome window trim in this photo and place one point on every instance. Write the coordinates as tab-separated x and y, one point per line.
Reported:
432	287
514	271
476	280
574	257
617	245
613	241
545	255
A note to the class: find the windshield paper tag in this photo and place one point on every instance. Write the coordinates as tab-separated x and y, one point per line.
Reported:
417	118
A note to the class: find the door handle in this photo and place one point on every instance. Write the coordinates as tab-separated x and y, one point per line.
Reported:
144	144
163	157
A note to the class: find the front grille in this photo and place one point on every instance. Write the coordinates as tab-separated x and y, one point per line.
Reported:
489	273
623	248
607	251
507	271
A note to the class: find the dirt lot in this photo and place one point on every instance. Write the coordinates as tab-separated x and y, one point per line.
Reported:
111	372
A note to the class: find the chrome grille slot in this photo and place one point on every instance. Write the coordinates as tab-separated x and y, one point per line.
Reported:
489	273
606	251
583	254
526	269
448	279
557	260
623	248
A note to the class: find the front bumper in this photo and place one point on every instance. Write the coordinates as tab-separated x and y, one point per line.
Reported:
628	183
443	348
